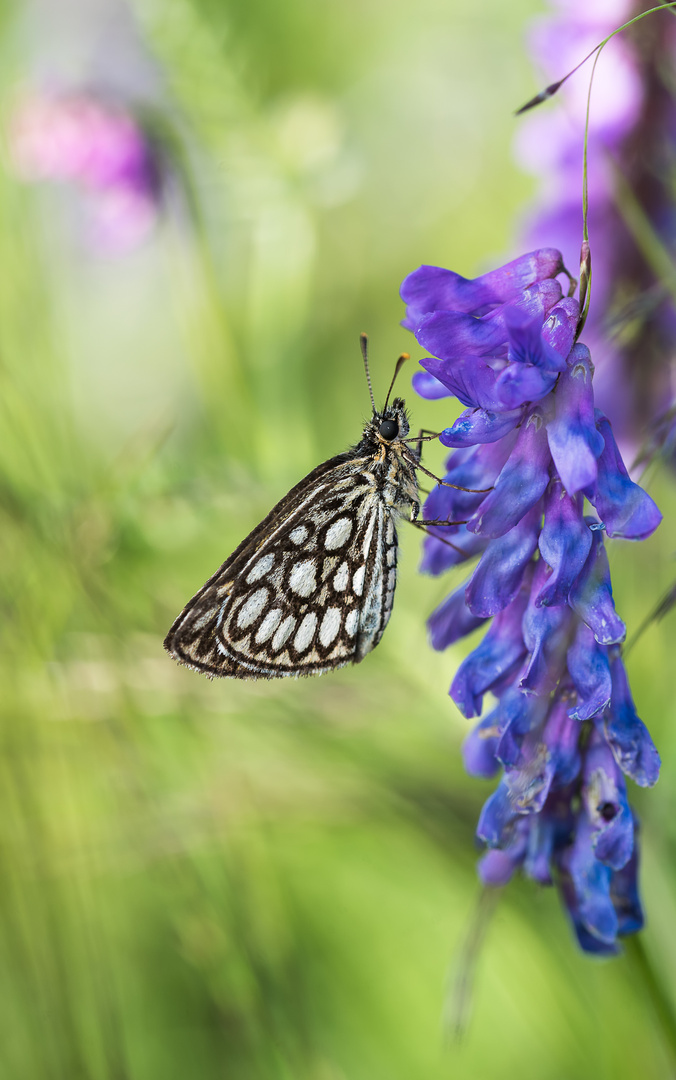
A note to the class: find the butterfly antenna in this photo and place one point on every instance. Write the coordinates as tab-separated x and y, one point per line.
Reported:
364	342
400	363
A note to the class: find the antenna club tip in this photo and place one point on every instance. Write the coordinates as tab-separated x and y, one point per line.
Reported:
405	356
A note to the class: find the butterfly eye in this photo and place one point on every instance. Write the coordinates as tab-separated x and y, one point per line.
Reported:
389	429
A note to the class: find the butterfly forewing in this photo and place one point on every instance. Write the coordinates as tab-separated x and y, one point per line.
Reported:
308	590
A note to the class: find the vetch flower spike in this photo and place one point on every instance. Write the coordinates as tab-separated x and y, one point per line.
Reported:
562	726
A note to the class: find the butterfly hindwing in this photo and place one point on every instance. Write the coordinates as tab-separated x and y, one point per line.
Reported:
308	590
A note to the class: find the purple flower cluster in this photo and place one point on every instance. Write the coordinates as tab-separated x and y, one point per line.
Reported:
563	728
631	329
99	146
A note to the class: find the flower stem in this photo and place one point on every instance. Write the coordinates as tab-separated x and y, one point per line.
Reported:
655	988
459	995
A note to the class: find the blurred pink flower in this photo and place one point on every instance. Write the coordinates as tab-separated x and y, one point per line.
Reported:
95	144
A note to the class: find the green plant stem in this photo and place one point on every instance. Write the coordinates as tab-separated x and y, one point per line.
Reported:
656	990
460	988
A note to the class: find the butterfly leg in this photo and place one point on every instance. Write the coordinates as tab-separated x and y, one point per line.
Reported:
409	456
421	439
445	483
422	525
415	520
438	521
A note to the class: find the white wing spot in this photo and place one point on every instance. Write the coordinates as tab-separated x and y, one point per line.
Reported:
358	580
260	569
342	577
389	535
283	632
351	622
392	578
368	536
302	579
391	555
208	615
249	612
338	534
268	626
305	632
330	626
299	535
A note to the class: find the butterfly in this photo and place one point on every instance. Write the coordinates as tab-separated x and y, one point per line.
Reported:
312	587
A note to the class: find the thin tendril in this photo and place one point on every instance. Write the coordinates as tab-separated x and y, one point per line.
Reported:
585	253
549	91
585	257
585	155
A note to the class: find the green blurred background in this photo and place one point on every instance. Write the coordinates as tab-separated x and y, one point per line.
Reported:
232	880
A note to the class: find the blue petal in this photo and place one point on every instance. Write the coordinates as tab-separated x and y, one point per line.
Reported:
545	632
590	671
431	288
470	379
428	387
518	383
478	748
605	799
501	649
479	466
519	715
627	735
562	737
592	596
452	620
520	484
530	783
625	508
537	863
452	336
526	343
625	895
564	544
543	757
445	547
497	866
498	576
479	426
574	440
496	815
587	888
561	326
593	945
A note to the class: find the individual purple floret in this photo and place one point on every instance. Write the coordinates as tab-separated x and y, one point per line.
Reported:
100	146
562	725
631	329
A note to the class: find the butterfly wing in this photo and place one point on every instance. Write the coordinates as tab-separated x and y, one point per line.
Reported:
310	589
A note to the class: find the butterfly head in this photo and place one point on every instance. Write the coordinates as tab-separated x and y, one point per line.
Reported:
389	426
